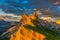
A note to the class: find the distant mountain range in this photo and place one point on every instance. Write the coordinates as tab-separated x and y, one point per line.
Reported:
4	25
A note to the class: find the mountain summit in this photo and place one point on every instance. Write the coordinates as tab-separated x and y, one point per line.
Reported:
27	34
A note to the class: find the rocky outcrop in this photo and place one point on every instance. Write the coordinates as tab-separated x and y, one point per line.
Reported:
27	34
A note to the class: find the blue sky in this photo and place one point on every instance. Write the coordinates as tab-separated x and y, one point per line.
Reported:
20	6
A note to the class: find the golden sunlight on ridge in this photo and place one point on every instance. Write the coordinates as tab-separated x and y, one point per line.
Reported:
58	21
27	34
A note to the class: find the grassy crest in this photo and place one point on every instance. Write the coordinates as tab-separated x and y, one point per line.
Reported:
49	33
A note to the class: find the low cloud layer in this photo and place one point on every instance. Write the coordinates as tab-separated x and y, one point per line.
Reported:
9	16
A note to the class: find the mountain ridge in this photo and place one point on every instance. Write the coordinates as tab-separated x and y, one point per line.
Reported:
22	33
27	34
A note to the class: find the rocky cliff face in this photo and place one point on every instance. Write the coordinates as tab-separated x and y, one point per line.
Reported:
27	34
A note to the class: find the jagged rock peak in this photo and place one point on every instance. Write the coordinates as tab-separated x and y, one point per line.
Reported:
26	19
34	16
27	34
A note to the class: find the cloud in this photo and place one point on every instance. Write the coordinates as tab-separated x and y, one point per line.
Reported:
51	12
47	10
9	16
17	6
56	3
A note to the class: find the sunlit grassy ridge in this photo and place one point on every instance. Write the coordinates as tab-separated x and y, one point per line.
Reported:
49	33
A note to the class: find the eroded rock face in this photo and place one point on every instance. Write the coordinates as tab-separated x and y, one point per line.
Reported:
27	34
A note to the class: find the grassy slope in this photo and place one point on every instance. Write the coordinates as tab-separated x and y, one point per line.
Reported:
49	33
